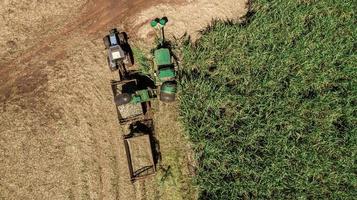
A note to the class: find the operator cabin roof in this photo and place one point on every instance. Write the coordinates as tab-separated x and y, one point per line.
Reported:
162	57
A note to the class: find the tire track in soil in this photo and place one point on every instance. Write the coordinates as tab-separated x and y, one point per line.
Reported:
96	150
142	191
98	17
50	47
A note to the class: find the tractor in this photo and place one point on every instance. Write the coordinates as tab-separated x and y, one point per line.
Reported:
164	68
119	54
132	103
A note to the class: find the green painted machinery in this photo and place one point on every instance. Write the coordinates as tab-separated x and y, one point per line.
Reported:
164	67
140	96
168	92
165	71
131	102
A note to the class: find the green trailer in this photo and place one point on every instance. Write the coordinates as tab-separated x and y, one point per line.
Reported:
131	103
165	71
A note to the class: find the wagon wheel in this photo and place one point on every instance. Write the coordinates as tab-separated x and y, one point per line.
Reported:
122	99
106	42
167	98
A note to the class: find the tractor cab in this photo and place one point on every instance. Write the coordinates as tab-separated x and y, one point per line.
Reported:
117	55
116	52
165	68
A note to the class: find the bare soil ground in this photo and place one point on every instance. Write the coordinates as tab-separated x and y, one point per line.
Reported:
59	137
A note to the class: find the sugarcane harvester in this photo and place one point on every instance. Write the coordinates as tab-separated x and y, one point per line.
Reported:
164	69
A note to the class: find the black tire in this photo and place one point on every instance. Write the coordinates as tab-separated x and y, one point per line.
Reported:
122	38
167	98
122	99
129	61
110	66
106	42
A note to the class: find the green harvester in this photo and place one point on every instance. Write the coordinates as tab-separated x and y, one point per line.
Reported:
164	68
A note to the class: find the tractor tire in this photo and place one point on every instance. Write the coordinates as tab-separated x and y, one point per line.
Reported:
122	38
122	99
110	66
167	98
106	42
128	60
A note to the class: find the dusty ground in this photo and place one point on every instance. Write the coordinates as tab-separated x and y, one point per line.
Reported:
189	18
59	138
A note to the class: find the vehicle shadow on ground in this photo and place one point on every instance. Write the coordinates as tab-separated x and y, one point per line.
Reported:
127	48
144	81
